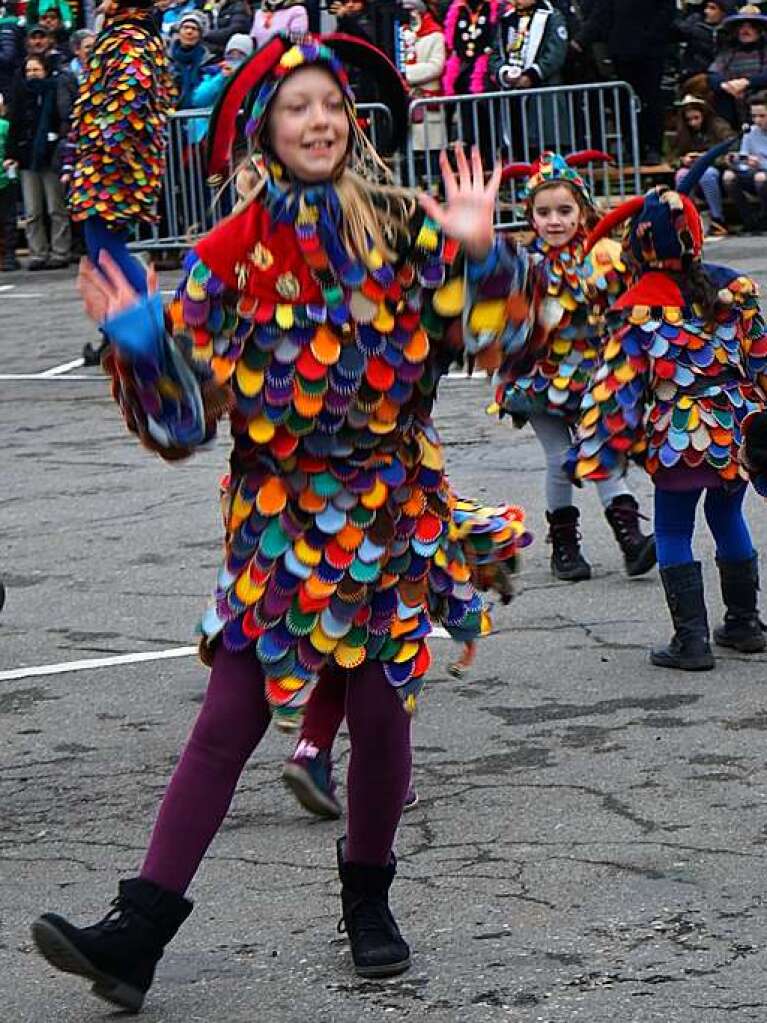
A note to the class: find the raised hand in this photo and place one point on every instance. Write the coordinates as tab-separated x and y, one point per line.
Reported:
468	212
106	291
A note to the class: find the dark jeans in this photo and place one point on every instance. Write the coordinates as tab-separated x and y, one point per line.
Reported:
644	76
8	209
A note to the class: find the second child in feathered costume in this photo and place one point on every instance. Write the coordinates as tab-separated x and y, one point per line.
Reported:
546	365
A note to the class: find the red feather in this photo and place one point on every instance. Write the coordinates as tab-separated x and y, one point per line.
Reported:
625	211
585	156
516	170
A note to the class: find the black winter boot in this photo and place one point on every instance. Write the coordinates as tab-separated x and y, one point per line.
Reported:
567	562
742	628
120	953
378	948
689	648
638	549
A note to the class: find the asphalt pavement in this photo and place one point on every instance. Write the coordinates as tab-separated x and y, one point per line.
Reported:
590	839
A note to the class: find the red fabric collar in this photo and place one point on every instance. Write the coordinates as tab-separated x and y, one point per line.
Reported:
429	25
653	288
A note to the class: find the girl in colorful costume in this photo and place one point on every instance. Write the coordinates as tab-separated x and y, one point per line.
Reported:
546	371
685	363
302	316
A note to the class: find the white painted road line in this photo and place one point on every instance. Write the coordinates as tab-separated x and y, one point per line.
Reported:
41	376
37	671
65	367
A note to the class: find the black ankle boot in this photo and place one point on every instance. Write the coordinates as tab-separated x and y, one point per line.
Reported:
378	948
638	549
567	562
689	648
119	954
742	628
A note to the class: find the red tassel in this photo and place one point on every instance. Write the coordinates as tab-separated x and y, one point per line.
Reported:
586	156
625	211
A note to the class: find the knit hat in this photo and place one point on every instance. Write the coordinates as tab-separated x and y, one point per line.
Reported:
239	41
281	56
196	18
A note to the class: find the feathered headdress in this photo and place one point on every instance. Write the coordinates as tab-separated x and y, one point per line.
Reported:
262	75
665	230
552	168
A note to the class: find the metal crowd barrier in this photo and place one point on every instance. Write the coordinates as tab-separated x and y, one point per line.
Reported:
511	126
516	126
189	206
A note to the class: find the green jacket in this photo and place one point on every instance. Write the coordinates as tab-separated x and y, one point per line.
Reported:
4	126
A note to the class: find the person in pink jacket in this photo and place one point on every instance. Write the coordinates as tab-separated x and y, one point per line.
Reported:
278	16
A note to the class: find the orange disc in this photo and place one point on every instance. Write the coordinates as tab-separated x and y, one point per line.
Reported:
325	346
349	538
271	496
308	501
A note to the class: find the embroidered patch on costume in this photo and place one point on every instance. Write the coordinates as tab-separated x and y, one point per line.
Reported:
261	258
288	286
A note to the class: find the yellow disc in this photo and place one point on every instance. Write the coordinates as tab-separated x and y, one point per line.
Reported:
284	316
376	426
261	430
376	496
325	644
306	555
449	300
384	321
586	466
349	656
246	590
249	381
406	652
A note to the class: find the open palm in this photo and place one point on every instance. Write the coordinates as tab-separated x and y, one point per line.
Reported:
105	290
469	208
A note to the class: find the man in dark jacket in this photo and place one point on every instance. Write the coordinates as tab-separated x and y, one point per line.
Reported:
11	46
636	33
697	30
227	17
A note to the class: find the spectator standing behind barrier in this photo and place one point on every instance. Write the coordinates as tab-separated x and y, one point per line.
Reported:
533	49
188	56
472	39
9	262
636	34
278	16
740	67
12	48
171	12
226	18
41	42
698	130
35	126
423	55
52	19
238	49
697	30
37	9
119	136
81	44
747	172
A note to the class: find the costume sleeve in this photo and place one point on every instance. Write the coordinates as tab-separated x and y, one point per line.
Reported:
553	52
499	317
611	423
171	368
751	328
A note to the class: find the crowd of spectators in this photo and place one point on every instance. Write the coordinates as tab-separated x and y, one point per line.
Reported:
698	68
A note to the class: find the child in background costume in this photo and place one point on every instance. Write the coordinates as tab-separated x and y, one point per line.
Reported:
685	363
543	381
116	155
302	315
490	539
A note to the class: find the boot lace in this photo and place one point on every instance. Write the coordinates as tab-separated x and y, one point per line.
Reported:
625	522
115	918
566	541
368	916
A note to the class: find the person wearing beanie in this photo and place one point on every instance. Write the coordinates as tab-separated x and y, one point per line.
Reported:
213	81
188	55
226	17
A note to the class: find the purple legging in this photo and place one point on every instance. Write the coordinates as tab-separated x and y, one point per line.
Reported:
232	722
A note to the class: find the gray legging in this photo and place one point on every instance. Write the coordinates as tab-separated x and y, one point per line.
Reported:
555	437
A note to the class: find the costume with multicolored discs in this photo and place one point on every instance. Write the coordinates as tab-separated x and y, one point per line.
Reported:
119	122
339	538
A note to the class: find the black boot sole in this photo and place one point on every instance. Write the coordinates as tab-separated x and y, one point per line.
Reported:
645	560
573	575
702	663
308	794
383	970
747	645
61	953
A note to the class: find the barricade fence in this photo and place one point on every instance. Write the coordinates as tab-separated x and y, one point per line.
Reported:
513	127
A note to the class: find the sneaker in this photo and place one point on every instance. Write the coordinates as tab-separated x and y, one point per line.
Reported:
411	799
718	229
38	263
309	776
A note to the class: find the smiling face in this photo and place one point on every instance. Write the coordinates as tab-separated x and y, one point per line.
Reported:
556	215
308	126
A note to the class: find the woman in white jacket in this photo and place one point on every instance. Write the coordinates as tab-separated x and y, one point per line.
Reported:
423	63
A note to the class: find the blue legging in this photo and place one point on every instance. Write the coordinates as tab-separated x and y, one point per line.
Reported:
101	235
675	524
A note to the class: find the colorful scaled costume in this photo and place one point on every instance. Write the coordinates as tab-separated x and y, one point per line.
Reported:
685	363
340	551
118	134
546	363
339	541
